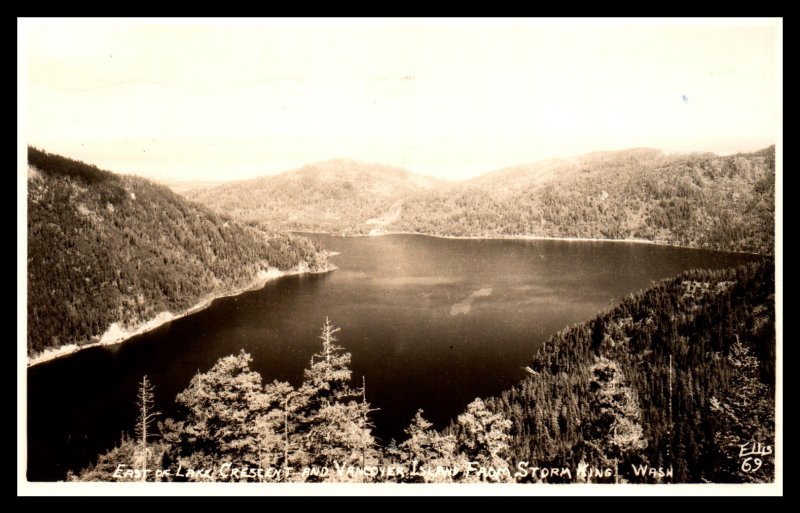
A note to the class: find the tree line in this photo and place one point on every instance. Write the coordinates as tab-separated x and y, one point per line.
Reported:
677	378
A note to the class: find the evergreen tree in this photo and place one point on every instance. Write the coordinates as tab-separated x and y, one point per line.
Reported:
223	412
616	431
427	447
146	416
131	459
328	377
743	418
392	454
333	417
484	436
276	429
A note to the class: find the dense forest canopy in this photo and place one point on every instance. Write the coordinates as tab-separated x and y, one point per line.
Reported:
106	248
697	200
683	374
674	385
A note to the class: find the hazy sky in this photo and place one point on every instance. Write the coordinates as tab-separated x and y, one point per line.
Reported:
211	100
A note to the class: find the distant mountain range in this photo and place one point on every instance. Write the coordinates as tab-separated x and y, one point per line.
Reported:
106	248
695	200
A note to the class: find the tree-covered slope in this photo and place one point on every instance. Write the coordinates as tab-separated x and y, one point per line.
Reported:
698	200
338	195
106	248
601	392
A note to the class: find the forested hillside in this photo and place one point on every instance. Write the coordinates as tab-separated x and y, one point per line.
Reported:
698	200
106	248
601	390
337	195
674	385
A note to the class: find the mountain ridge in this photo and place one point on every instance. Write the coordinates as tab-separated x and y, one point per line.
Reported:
341	161
696	200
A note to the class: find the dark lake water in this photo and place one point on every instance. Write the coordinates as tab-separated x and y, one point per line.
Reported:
431	323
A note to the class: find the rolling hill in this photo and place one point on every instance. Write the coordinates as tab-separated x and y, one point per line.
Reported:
703	201
694	200
106	248
335	195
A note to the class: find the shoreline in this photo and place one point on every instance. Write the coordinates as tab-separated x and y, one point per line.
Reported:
532	237
117	335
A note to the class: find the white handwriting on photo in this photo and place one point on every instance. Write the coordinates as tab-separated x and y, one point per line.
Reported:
752	454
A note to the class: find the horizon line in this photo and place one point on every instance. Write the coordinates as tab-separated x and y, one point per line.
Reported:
299	166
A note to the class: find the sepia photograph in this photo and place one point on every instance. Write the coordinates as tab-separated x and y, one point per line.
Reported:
414	256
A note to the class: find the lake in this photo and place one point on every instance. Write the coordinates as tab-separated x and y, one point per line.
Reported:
431	323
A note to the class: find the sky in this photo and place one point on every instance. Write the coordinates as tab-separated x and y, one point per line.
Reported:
226	100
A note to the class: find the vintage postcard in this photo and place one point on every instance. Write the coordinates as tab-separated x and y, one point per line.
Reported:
400	256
